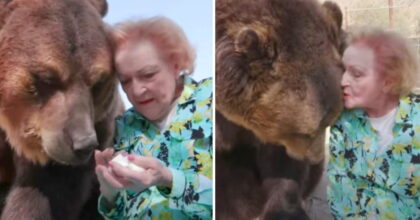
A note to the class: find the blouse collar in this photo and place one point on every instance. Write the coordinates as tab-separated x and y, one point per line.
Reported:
403	110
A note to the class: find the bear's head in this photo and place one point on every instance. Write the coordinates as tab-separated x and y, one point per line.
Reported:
56	77
278	70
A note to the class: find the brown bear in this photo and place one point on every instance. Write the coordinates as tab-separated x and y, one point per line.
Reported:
278	74
58	99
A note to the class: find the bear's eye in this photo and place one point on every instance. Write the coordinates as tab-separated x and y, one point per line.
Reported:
44	85
271	51
100	85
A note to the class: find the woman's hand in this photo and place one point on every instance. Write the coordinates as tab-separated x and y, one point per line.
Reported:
109	183
155	173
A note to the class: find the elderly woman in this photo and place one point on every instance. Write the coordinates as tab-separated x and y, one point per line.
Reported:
168	132
374	165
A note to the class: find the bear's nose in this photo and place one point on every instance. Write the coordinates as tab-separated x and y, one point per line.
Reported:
84	146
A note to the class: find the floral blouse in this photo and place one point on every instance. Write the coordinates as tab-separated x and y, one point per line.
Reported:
185	147
363	183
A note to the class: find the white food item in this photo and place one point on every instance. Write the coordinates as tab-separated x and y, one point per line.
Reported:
123	161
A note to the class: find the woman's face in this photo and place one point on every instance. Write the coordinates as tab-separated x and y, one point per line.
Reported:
362	85
147	79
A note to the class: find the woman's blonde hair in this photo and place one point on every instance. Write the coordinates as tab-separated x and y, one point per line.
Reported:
394	57
165	34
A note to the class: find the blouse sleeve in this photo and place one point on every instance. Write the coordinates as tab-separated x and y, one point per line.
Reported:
116	211
191	189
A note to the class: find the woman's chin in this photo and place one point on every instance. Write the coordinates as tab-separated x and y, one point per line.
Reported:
151	116
348	105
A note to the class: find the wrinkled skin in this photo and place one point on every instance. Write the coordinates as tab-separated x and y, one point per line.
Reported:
278	73
58	99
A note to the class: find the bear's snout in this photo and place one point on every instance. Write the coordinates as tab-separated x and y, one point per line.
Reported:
83	147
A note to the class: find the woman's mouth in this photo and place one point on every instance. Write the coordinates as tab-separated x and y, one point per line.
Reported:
145	102
346	96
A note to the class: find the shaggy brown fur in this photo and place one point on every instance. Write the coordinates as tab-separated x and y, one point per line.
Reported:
58	99
277	74
6	160
6	168
278	61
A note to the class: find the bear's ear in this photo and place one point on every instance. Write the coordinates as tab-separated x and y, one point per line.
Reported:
246	41
252	43
100	5
334	19
333	11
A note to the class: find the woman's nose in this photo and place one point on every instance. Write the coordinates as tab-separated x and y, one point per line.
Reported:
345	79
139	89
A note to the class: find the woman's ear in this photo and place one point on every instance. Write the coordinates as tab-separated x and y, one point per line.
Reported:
389	85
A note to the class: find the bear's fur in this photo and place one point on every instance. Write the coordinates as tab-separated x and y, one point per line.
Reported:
58	99
6	167
278	74
6	161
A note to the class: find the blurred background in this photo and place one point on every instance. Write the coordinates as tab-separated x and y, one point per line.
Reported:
402	16
194	17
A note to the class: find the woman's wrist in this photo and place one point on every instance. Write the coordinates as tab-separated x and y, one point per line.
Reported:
165	186
106	204
110	197
167	178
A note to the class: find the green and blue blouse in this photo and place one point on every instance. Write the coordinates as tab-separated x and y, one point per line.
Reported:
185	147
363	183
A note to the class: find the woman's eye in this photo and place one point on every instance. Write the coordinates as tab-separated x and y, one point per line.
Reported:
124	81
356	73
149	75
